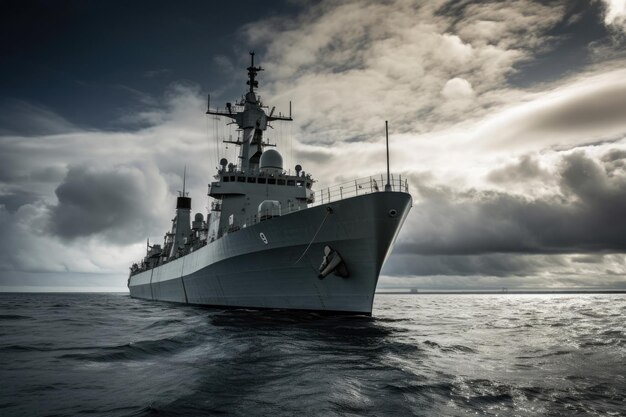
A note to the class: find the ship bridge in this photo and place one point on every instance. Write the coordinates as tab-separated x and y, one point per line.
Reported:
240	190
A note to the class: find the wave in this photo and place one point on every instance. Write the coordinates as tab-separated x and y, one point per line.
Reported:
188	360
14	317
144	349
451	348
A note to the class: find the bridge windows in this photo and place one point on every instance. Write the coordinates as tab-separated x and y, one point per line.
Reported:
288	181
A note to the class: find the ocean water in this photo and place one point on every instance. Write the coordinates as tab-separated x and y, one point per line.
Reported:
422	355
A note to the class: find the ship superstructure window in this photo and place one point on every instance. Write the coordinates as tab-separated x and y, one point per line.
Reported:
252	179
225	179
232	178
241	179
291	182
271	180
261	180
300	183
281	182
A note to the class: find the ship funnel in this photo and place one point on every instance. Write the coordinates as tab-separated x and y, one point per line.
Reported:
181	227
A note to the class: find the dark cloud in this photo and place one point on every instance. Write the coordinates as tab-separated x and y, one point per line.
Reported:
53	174
116	203
493	264
614	155
58	281
16	199
587	215
615	161
592	258
525	168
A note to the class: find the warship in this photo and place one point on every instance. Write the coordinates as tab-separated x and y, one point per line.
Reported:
269	240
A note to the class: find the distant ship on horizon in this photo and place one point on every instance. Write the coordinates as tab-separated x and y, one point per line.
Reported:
269	241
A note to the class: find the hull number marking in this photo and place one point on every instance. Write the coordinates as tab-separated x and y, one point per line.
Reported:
263	238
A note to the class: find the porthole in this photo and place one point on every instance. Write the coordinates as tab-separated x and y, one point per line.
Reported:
393	213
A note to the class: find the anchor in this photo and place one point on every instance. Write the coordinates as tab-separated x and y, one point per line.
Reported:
332	262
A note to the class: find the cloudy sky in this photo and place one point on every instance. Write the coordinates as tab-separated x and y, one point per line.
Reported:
508	118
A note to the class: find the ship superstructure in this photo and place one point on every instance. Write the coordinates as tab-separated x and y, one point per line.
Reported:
269	240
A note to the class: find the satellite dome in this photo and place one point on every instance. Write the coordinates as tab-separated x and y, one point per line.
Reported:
199	217
271	161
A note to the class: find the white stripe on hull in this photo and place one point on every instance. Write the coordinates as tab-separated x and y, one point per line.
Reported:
240	270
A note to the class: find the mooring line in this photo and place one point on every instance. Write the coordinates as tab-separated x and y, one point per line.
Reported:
328	211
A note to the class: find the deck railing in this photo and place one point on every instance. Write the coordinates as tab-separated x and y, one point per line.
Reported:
353	188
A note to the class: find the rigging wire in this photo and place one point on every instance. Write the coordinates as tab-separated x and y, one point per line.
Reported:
208	134
217	140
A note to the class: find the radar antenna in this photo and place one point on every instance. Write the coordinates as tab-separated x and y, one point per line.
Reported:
251	119
388	185
252	70
183	193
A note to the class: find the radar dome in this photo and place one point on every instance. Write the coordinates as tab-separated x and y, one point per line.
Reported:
271	161
198	217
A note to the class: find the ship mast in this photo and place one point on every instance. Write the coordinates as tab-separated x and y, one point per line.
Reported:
252	121
252	70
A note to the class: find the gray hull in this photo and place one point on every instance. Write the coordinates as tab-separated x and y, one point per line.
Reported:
241	270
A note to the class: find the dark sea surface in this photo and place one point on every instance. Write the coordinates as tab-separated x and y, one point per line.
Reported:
423	355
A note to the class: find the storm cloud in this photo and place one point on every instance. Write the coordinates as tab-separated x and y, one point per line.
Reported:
116	203
586	214
508	119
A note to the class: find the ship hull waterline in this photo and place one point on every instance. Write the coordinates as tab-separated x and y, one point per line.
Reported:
275	264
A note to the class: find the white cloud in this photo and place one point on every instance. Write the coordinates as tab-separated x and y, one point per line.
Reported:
457	88
349	66
615	13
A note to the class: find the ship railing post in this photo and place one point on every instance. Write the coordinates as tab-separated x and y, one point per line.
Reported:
322	195
341	193
371	188
356	187
328	190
